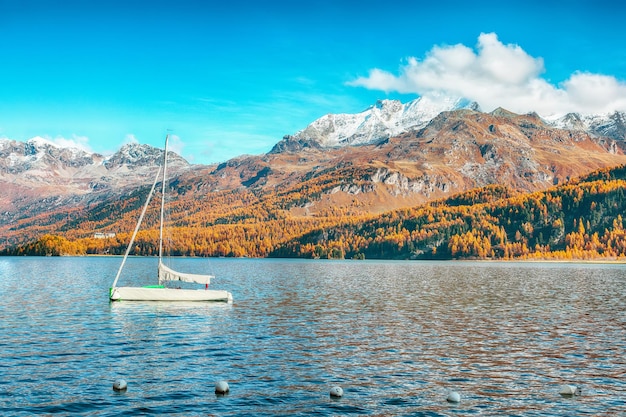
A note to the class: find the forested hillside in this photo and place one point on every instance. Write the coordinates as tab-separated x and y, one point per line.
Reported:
581	219
576	221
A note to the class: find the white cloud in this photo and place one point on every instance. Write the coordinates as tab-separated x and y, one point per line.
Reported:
593	91
76	141
499	75
130	138
175	144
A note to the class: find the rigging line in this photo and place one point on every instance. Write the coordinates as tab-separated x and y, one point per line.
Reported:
132	240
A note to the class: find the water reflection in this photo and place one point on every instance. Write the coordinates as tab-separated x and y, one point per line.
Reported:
397	336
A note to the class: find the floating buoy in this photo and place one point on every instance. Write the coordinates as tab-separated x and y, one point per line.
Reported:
336	392
221	387
570	390
119	385
453	397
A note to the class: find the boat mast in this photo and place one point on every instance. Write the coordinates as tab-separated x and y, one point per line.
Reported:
132	239
163	199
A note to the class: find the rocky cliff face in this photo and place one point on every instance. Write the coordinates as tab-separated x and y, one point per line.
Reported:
521	151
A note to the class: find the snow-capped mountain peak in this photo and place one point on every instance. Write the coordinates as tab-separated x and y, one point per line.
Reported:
133	154
38	147
384	119
39	142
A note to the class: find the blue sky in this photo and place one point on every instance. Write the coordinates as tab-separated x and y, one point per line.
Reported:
234	77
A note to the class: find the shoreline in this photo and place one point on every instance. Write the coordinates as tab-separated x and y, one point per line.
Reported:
564	261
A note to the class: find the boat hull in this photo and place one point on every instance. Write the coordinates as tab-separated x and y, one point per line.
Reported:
168	294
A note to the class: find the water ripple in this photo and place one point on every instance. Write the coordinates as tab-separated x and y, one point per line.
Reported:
397	336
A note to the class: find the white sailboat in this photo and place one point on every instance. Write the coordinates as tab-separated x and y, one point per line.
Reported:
161	292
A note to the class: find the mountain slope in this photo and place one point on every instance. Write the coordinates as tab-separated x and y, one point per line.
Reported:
579	220
52	190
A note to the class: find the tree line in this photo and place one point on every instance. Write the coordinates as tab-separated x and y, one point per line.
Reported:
581	219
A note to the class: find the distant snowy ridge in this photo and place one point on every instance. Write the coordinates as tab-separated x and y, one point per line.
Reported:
383	120
40	151
388	118
612	125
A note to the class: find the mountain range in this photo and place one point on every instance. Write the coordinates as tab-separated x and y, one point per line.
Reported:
388	118
389	156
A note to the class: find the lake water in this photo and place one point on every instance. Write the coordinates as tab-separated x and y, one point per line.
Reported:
396	336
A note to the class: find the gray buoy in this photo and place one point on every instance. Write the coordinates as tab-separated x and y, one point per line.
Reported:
453	397
336	392
570	390
119	385
221	387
